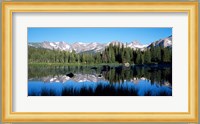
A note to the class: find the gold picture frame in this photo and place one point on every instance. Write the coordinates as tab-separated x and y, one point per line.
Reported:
8	8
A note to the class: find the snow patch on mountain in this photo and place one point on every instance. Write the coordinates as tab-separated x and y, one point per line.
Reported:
136	45
52	44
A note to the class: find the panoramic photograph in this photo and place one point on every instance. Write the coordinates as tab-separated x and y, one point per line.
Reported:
95	61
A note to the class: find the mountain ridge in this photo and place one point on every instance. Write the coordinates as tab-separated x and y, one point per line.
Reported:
79	47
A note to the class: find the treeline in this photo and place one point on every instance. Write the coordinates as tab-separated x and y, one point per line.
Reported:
112	54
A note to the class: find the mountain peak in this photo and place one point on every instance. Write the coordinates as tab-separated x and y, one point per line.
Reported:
136	42
136	45
165	42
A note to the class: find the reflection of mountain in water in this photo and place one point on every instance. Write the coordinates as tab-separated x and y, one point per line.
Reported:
100	80
76	78
90	78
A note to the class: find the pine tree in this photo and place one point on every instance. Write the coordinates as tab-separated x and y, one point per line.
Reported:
111	55
153	53
166	57
138	58
141	58
126	56
158	54
147	57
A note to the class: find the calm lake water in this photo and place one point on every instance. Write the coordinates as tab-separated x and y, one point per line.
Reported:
100	81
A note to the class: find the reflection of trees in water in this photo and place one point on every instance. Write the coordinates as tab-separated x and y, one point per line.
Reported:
113	74
158	75
99	90
43	71
154	74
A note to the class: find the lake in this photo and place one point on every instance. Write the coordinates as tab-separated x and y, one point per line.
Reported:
102	80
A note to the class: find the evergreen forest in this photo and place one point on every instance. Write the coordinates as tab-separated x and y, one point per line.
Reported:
111	54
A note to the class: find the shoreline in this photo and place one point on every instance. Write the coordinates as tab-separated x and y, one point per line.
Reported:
99	64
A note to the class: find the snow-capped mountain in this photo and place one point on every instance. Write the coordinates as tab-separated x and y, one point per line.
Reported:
52	45
166	42
136	45
84	47
79	47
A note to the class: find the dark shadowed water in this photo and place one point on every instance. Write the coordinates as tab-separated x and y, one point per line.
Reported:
104	80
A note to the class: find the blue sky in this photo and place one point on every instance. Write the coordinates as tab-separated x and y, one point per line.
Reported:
101	35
